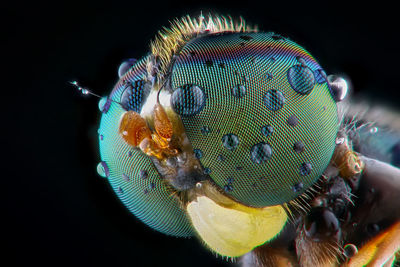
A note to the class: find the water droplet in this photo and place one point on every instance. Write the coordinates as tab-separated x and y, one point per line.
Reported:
267	130
85	91
305	168
198	153
101	137
298	147
339	140
102	169
205	130
239	91
301	79
350	250
230	141
188	100
260	152
292	120
207	171
228	188
297	187
338	87
230	180
104	104
130	153
373	130
221	158
120	190
143	174
221	65
152	185
145	191
274	100
125	66
320	76
199	185
125	177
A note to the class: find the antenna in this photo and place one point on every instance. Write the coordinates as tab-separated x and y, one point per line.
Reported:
86	91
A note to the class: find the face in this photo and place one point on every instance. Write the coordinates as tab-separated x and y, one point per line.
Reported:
219	126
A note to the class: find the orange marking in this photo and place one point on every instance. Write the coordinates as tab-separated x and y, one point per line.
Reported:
162	124
133	128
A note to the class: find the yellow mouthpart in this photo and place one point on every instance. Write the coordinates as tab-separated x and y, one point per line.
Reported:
230	228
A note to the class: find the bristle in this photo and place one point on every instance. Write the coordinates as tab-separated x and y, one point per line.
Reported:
170	40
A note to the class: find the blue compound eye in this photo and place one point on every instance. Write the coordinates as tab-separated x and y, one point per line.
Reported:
131	173
249	112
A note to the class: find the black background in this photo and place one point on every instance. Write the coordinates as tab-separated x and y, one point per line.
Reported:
58	211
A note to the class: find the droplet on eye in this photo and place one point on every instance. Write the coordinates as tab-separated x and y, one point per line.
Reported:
350	250
133	128
239	91
274	100
188	100
260	153
301	78
102	169
230	141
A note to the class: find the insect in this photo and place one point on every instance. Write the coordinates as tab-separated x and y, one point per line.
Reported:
239	137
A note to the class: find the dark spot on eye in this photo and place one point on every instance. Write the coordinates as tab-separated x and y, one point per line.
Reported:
292	120
209	63
239	168
246	37
152	185
242	44
221	65
297	187
228	188
192	53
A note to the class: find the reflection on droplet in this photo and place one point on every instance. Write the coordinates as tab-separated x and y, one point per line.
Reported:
274	100
298	147
267	130
230	141
125	66
102	169
198	153
188	100
305	168
239	91
301	79
350	250
260	152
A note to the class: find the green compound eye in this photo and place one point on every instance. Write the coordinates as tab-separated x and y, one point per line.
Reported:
270	117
